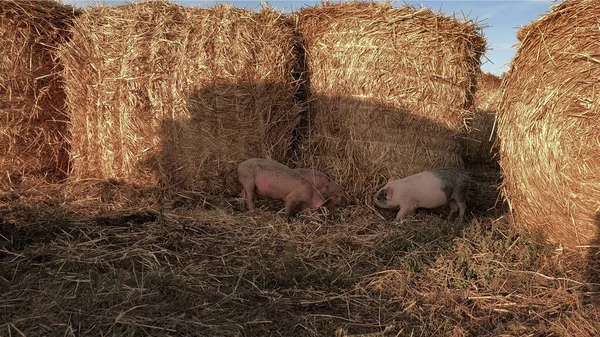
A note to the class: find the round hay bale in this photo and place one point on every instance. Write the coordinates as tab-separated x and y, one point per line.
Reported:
480	141
32	120
548	125
389	90
158	92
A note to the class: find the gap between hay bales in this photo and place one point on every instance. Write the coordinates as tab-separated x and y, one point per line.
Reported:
480	142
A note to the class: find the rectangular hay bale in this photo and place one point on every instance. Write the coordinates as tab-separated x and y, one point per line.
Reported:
389	90
158	92
32	119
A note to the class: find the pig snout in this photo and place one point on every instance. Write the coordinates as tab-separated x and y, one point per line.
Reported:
339	196
339	200
380	199
380	196
328	188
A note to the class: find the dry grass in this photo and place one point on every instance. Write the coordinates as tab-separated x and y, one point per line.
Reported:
389	90
161	92
548	126
32	120
480	142
108	257
100	258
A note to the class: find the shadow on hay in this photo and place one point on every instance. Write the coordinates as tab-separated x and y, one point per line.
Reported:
42	213
228	124
228	274
481	144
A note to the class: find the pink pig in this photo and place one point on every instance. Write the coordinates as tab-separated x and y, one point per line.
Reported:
331	191
275	180
429	189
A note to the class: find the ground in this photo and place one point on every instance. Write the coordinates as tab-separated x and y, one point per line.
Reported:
106	259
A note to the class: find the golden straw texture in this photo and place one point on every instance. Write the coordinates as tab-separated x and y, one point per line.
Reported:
32	121
389	88
160	92
549	125
480	142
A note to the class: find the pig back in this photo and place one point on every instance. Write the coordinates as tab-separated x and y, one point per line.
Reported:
278	184
318	179
423	189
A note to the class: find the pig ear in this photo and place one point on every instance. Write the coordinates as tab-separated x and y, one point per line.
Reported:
388	194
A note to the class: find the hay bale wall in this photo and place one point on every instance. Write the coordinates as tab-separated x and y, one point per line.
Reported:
161	92
389	88
480	142
32	121
549	125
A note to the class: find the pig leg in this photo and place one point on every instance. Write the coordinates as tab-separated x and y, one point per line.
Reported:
453	209
247	194
292	207
295	202
462	206
404	211
242	198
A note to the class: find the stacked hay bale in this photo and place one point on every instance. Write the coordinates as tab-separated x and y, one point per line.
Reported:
390	89
32	121
480	142
160	92
548	125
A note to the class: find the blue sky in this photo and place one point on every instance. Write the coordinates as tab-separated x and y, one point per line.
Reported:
504	18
